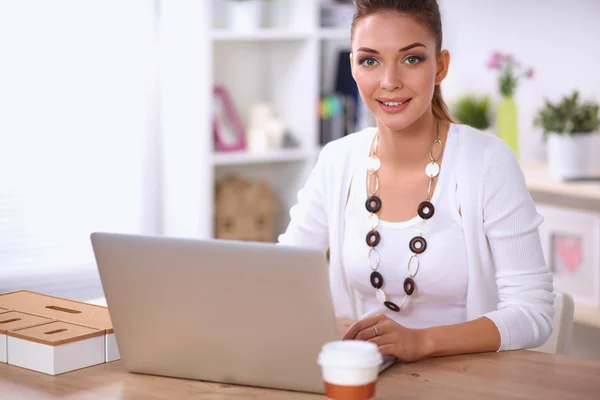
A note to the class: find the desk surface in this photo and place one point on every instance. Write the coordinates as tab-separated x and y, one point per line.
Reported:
516	374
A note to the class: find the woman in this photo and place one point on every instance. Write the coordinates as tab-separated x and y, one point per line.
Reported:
433	236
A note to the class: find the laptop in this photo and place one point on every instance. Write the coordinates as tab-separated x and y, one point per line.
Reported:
246	313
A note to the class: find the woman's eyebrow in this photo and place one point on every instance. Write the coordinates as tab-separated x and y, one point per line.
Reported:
405	48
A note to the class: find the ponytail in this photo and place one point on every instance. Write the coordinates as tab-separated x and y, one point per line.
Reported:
439	107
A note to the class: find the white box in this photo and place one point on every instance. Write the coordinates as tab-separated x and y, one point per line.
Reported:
10	320
112	351
571	244
56	347
75	312
2	339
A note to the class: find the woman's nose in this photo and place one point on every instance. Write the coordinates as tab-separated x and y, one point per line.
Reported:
391	79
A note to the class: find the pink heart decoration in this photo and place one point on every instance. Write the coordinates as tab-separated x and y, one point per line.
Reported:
569	252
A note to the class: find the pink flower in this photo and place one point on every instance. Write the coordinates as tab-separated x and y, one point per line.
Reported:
495	60
529	73
510	71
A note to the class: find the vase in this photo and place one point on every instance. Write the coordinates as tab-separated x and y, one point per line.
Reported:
507	124
573	156
245	16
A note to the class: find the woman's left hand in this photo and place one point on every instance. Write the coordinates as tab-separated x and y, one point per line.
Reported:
392	338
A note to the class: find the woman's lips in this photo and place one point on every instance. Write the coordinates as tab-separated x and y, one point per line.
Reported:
393	108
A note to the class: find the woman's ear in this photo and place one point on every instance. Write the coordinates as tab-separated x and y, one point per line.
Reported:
443	63
351	59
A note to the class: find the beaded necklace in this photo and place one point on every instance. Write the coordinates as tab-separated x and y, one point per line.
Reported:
417	244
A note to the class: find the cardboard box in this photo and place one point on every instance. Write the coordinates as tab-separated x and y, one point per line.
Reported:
10	320
75	312
56	347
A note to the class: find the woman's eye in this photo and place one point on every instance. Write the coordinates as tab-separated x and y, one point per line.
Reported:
369	62
412	60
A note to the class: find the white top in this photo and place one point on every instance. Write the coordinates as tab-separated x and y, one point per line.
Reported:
508	280
441	282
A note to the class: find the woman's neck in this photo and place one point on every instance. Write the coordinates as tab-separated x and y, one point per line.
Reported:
409	147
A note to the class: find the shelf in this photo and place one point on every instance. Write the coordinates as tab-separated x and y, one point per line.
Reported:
538	178
586	315
584	195
245	158
223	35
334	34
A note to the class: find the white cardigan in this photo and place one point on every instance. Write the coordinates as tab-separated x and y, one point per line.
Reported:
508	280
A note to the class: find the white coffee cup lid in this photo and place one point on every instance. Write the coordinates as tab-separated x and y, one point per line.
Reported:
350	354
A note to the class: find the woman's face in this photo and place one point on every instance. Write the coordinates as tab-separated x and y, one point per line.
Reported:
396	67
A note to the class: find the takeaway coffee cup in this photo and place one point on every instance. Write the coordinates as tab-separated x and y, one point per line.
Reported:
350	369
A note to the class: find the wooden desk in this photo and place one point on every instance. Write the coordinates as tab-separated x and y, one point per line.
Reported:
517	374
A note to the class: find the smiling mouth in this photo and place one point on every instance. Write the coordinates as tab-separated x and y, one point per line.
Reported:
393	103
393	107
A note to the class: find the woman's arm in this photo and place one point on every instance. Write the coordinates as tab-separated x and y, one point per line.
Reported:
477	336
510	221
308	225
525	290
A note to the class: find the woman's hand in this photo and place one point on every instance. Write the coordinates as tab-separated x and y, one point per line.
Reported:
343	324
392	338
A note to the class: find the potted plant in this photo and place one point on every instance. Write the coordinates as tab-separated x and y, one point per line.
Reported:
246	15
572	135
473	110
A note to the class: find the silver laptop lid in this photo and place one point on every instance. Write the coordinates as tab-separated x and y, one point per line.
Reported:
237	312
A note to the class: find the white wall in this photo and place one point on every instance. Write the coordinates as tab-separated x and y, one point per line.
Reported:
77	137
558	38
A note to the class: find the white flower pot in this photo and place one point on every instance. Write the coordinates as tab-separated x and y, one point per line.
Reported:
573	157
246	15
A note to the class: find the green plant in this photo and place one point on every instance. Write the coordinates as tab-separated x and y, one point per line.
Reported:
568	116
473	111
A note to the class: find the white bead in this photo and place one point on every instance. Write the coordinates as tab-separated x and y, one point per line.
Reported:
380	296
373	163
373	221
432	169
423	228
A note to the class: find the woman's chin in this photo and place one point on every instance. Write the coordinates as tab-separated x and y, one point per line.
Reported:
400	120
395	123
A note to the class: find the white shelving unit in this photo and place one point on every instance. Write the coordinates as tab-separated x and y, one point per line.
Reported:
248	158
334	34
223	35
282	63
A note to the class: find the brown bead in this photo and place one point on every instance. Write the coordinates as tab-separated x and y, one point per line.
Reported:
418	240
373	204
392	306
373	238
426	210
409	286
376	280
